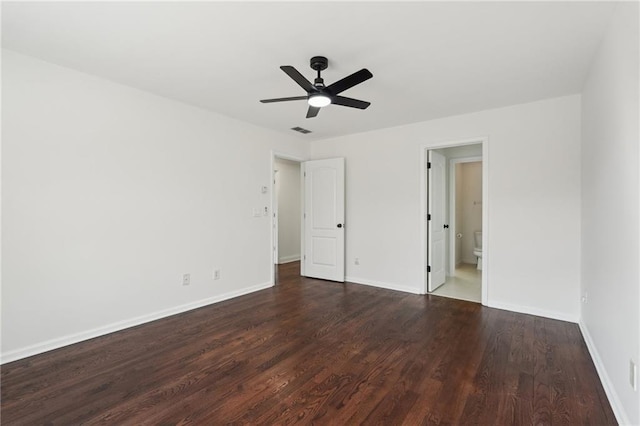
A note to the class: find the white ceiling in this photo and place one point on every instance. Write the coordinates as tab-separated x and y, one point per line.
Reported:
428	59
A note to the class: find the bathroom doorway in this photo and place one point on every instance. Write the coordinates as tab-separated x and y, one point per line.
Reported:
455	220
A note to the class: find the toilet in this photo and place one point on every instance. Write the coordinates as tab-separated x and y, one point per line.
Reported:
477	250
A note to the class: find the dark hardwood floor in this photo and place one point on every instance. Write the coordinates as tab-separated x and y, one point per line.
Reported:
310	351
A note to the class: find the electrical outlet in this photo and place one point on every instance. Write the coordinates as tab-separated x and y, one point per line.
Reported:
186	279
633	375
216	274
356	261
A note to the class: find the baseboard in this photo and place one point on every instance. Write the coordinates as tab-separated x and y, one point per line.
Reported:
533	311
612	395
288	259
121	325
381	284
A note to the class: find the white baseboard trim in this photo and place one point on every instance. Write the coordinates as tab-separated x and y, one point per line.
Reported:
381	284
614	400
533	311
52	344
289	259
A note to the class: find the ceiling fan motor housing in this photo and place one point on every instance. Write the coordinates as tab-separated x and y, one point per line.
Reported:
319	63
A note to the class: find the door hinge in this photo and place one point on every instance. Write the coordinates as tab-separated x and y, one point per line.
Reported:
429	165
428	268
304	257
428	216
305	174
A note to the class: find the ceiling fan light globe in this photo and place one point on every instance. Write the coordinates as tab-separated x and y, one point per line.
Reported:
319	100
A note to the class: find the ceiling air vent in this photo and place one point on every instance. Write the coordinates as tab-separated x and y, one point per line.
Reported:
301	130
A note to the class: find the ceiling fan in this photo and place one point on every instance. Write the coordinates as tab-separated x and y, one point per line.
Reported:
319	95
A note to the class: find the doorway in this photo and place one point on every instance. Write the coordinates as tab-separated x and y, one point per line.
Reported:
313	241
287	212
455	233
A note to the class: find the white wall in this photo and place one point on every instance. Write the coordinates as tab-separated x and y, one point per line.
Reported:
473	150
110	194
289	204
534	202
471	206
610	234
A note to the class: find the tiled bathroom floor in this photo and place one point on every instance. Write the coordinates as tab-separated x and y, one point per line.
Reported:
465	285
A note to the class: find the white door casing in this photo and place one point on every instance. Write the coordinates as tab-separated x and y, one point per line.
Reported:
324	219
436	250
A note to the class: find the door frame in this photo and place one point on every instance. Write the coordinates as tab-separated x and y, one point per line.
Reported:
452	207
484	140
274	203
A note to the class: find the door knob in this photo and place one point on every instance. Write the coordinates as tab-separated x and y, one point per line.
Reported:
339	225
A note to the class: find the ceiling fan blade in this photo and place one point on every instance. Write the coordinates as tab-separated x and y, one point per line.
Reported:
293	98
349	81
350	102
298	78
312	111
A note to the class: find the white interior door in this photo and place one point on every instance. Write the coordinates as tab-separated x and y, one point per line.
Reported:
436	229
324	219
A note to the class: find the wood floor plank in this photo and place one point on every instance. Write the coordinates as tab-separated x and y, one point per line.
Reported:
316	352
541	376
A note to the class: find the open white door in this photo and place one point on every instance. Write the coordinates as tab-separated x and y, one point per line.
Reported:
324	219
436	209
